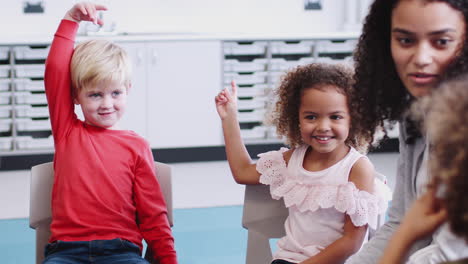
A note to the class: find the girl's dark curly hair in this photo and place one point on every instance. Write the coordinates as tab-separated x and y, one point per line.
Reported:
314	76
380	95
447	127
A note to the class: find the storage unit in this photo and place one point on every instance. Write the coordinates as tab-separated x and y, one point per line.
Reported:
23	104
173	83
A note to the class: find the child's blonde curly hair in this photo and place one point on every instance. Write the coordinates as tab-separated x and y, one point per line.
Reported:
285	115
447	129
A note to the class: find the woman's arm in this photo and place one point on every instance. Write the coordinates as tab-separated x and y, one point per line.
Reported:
424	217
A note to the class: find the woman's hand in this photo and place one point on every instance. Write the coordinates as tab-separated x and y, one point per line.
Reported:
424	217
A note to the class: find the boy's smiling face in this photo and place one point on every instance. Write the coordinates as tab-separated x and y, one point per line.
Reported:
103	104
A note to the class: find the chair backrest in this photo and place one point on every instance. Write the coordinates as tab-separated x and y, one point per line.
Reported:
264	218
40	214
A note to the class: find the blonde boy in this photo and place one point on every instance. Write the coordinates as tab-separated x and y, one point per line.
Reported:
105	198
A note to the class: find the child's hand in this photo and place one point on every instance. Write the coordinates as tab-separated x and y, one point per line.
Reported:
85	11
424	217
226	102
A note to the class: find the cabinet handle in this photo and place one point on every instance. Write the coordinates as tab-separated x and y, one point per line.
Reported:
139	58
154	56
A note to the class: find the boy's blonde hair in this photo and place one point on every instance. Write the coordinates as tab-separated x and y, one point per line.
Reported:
447	129
97	61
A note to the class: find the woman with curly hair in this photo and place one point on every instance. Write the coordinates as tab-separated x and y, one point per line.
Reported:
406	49
327	185
448	162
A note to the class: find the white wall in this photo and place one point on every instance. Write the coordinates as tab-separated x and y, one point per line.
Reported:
185	15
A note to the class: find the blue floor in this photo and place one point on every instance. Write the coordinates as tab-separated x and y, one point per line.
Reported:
202	236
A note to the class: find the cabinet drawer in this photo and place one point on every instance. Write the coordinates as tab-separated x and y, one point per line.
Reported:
275	77
284	65
254	133
32	112
4	71
5	111
347	60
4	53
245	48
6	143
30	70
5	98
252	91
5	125
25	143
245	79
257	115
30	53
284	47
255	103
249	66
26	124
329	46
30	98
29	85
4	85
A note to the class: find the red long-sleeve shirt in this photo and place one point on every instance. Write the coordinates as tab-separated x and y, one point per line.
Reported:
104	179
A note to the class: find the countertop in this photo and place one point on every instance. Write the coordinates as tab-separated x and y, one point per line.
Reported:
17	39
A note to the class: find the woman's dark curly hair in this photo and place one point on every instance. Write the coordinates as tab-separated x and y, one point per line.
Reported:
447	127
380	95
314	76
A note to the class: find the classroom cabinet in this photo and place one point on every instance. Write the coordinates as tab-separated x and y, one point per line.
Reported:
171	102
136	114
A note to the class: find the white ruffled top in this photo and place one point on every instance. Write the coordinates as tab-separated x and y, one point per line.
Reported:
318	201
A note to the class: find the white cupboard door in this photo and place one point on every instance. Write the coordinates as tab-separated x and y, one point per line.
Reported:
183	79
136	114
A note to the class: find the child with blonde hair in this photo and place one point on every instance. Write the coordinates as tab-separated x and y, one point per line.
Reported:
446	200
105	197
327	185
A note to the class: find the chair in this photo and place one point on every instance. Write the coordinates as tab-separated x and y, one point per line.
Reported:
264	218
40	214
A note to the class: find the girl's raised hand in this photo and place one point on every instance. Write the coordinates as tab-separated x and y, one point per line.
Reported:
85	11
226	102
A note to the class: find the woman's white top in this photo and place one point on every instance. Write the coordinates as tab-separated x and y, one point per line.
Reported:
445	245
318	201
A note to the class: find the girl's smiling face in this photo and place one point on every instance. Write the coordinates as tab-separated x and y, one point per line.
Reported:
425	38
324	120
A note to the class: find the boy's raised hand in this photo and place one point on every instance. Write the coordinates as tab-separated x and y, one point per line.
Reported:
85	11
226	102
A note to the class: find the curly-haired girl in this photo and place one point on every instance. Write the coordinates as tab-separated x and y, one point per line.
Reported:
449	164
327	185
406	49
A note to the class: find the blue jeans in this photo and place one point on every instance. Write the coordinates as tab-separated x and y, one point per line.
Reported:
95	252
